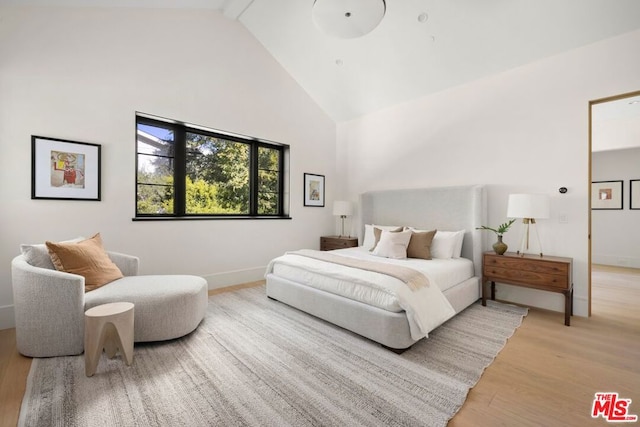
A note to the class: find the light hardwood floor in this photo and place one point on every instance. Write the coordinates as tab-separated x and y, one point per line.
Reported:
546	375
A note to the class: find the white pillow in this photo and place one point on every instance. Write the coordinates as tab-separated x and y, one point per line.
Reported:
369	238
459	238
447	244
37	255
393	245
457	251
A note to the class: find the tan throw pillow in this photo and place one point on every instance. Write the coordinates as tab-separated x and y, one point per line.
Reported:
377	232
86	258
420	244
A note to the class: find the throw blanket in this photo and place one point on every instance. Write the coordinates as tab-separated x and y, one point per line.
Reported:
426	306
412	278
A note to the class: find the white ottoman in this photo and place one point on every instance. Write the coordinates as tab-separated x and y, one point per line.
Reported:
167	306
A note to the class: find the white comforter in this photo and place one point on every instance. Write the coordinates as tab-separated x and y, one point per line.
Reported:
426	308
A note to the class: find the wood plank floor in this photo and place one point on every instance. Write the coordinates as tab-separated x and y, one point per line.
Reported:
545	376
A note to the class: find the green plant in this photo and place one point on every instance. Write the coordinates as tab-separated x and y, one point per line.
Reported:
502	228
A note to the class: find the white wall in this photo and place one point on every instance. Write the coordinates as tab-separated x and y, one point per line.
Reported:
615	233
81	74
614	134
525	130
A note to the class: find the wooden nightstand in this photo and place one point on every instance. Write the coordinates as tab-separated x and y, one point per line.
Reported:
548	273
329	243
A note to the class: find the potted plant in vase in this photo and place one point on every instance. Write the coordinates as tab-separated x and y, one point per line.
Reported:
499	247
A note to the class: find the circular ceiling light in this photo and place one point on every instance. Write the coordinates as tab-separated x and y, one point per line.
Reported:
347	19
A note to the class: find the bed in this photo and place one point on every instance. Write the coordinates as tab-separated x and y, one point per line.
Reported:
451	209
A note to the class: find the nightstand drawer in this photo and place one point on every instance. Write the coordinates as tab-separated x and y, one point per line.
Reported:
330	243
536	265
329	246
526	277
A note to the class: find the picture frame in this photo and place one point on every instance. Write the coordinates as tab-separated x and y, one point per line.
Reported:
607	195
634	194
313	190
64	170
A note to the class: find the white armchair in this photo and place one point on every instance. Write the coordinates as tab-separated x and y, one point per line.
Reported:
50	305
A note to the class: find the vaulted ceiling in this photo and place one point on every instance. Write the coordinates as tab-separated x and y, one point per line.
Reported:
420	47
404	58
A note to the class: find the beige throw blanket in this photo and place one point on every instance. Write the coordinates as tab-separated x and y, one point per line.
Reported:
412	278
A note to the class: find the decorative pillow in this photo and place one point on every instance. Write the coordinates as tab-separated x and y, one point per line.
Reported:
369	241
420	244
393	244
86	258
38	255
447	244
457	250
377	232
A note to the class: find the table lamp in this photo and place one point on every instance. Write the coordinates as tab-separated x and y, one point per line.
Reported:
529	207
342	209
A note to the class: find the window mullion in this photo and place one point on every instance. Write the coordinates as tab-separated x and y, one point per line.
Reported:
253	179
281	182
180	171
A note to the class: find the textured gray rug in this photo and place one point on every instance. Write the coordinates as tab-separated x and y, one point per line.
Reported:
258	362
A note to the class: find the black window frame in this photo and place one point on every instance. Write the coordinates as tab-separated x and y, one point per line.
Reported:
180	130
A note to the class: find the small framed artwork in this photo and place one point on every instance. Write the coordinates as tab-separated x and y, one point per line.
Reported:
606	195
634	194
66	170
313	190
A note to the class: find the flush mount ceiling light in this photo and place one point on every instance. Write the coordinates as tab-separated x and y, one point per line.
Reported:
347	19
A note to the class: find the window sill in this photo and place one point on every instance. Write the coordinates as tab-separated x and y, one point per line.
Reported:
206	218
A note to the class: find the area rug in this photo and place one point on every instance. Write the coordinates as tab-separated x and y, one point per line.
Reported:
257	362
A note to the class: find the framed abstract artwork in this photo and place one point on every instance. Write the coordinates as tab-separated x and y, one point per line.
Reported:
66	170
606	194
634	194
313	190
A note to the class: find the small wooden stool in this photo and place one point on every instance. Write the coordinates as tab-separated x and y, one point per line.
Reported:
108	327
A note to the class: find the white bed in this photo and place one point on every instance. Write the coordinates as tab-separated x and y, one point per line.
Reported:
370	312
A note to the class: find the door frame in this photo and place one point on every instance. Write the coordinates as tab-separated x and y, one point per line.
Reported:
591	104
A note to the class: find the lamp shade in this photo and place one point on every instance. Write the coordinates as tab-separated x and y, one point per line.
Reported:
341	208
528	206
348	19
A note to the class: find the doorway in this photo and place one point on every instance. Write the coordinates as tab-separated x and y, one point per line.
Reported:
614	142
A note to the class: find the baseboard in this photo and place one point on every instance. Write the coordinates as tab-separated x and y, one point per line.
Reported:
236	277
545	300
580	306
616	261
7	319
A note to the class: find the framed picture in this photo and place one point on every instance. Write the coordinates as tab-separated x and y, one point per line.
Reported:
67	170
606	195
313	190
634	194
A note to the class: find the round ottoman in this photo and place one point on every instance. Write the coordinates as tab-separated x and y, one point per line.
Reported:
167	306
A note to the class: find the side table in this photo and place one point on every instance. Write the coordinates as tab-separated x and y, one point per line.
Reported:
547	273
108	327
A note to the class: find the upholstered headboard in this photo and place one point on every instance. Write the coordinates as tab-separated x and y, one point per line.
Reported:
442	208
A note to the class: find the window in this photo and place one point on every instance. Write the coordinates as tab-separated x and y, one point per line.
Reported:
190	172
